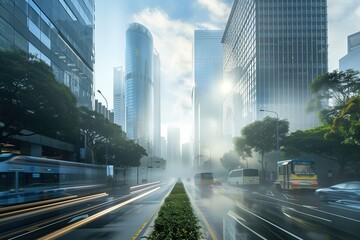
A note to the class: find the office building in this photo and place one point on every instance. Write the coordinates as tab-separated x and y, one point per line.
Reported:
102	109
61	33
207	99
186	156
173	147
119	97
157	105
352	59
272	52
58	32
139	85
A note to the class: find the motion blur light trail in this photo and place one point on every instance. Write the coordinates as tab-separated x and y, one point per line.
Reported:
71	227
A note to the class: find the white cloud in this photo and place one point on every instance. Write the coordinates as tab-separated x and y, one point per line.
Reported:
173	41
218	10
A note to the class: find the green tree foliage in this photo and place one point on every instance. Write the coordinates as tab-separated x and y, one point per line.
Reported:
261	136
347	124
242	149
312	141
339	86
32	99
96	128
230	160
129	155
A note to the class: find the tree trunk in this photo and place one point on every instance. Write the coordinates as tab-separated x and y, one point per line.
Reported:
262	165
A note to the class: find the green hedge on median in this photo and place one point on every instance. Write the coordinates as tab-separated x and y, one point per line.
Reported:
176	219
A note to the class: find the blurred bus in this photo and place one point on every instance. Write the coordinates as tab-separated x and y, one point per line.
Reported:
296	174
204	178
243	176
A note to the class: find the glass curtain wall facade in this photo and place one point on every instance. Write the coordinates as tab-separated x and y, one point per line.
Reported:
352	59
119	97
59	32
208	76
139	84
157	104
273	49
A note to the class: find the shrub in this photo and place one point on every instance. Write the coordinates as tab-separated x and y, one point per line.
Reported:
176	219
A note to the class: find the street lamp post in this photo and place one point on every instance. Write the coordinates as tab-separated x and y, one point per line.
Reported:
106	145
277	133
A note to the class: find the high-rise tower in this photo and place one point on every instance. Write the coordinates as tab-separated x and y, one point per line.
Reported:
139	84
208	77
352	59
157	104
272	52
119	97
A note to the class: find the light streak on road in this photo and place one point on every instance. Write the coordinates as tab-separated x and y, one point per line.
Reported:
73	226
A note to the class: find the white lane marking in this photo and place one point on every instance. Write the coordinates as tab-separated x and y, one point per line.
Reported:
270	193
78	218
288	197
333	214
308	206
309	215
237	218
284	230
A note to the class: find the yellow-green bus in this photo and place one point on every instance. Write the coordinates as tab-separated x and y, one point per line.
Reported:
296	174
204	178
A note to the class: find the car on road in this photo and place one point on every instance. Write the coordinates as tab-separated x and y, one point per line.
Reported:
341	191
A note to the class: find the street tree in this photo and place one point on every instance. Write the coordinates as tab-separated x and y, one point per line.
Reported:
32	99
97	130
242	149
261	136
230	160
347	124
337	86
312	141
129	155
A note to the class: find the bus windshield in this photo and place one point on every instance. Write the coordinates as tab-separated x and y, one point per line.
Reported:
304	169
206	175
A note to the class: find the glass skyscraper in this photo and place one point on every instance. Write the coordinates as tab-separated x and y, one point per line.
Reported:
119	97
60	32
352	59
139	84
208	76
273	49
157	104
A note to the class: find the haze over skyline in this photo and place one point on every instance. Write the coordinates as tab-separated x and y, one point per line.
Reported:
172	24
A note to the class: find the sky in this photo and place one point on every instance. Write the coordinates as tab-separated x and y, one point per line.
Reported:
172	24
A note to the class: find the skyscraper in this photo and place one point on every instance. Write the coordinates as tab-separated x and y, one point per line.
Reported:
272	52
173	147
58	32
208	76
119	97
352	59
139	84
157	105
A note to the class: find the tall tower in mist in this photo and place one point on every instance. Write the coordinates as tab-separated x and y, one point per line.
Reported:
272	52
157	105
173	147
119	97
208	76
139	84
